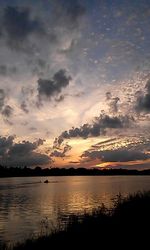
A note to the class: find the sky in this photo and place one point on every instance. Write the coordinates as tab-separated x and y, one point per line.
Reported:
75	83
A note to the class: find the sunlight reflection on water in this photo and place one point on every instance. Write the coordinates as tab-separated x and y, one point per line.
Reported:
27	204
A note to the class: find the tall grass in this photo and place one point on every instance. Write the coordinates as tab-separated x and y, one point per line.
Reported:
124	226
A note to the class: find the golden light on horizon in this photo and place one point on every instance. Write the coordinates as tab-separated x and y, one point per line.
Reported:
123	164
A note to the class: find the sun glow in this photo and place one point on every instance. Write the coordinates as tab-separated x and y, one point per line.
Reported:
123	164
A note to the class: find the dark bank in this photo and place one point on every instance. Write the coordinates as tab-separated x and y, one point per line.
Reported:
125	225
38	171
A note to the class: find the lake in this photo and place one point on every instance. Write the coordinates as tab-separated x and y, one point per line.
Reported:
30	207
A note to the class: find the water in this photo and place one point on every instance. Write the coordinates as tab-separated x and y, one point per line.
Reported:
28	206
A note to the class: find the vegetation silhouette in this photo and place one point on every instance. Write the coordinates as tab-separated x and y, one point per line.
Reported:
38	171
125	226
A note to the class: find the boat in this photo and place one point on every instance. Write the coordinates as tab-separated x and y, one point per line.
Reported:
46	181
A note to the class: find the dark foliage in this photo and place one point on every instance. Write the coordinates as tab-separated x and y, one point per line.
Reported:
126	226
37	171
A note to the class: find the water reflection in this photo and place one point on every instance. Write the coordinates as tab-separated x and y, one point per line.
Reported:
26	202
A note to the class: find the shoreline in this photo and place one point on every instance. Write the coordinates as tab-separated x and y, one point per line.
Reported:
45	172
127	222
4	177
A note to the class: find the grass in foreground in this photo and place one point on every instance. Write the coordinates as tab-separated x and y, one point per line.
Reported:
126	225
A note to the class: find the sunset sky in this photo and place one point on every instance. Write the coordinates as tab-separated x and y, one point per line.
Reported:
75	83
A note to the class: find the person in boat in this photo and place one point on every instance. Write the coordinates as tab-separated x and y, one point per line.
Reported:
46	181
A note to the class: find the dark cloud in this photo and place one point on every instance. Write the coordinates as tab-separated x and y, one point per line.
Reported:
79	94
33	129
21	153
24	107
3	70
41	63
18	25
58	153
2	98
112	102
108	95
107	142
58	141
143	100
60	98
74	162
118	155
114	105
121	121
69	13
5	144
7	70
32	34
7	121
7	111
23	30
98	127
49	88
74	12
38	66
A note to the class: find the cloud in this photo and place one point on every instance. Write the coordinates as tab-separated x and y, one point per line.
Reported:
74	12
69	13
25	31
7	111
117	155
33	129
58	153
5	144
121	121
108	95
74	162
114	105
60	98
107	142
96	128
6	70
8	122
24	107
143	100
121	151
21	153
2	98
18	25
47	88
32	36
112	102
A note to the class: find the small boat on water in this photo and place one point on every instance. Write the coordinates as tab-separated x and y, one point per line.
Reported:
46	181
